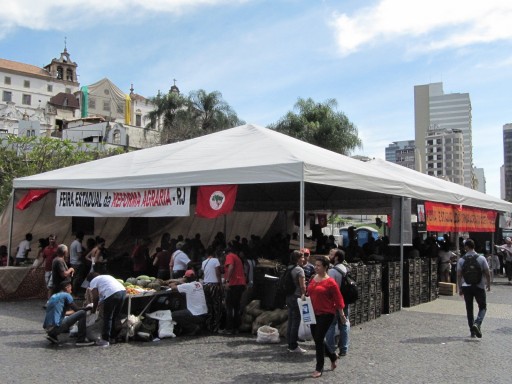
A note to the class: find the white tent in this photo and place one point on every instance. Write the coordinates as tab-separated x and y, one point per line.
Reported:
272	164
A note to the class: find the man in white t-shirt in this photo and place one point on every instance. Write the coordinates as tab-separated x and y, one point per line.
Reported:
179	262
23	249
76	258
213	291
111	293
191	319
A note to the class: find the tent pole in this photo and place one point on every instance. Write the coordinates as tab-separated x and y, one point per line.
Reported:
301	212
402	224
11	221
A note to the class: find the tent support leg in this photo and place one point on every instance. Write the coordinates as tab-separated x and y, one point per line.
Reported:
301	212
402	224
11	221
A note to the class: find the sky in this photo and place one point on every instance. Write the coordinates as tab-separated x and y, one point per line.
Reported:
264	55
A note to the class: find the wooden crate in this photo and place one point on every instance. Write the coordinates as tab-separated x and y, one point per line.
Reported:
447	289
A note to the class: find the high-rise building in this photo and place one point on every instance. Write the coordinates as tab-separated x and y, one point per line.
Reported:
507	161
402	153
480	179
444	151
433	111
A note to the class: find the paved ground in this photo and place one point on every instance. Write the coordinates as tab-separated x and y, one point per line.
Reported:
424	344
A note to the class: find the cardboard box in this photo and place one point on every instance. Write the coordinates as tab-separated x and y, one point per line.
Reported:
447	289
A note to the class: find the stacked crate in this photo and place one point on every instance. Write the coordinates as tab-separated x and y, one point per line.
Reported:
369	285
391	287
433	280
412	282
425	281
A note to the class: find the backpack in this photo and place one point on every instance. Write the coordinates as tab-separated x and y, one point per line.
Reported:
286	284
471	269
348	287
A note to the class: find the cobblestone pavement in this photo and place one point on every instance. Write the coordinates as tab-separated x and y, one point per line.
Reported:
428	343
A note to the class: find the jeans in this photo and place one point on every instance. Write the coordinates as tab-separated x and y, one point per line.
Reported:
318	331
508	270
67	323
187	321
233	298
344	339
292	331
470	293
111	309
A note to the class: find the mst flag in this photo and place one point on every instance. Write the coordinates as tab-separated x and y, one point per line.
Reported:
215	200
31	196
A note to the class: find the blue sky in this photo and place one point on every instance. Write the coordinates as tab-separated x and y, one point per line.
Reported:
263	55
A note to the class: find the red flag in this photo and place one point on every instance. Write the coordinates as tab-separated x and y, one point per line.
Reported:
31	196
215	200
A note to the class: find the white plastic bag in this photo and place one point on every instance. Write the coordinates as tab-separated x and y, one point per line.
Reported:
307	315
267	335
165	323
305	332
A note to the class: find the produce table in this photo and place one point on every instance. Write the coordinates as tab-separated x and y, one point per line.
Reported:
22	283
151	301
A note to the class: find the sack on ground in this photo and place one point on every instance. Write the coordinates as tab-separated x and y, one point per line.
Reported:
267	335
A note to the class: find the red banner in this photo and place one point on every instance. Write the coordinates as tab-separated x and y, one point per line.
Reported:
31	196
215	200
455	218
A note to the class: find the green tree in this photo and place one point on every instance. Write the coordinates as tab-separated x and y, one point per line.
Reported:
211	112
320	124
171	116
26	156
181	118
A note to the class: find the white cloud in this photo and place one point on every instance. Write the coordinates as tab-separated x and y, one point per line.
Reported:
437	24
60	14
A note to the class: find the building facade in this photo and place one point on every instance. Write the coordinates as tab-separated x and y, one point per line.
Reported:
436	111
507	161
444	150
402	153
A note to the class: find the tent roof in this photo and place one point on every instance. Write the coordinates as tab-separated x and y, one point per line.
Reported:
251	154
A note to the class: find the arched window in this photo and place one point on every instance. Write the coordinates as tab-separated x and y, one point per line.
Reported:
60	73
69	74
116	137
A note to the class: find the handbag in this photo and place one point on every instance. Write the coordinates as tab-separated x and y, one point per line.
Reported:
307	314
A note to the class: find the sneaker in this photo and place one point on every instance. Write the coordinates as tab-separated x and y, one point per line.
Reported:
297	350
473	335
102	343
52	339
476	329
84	343
342	354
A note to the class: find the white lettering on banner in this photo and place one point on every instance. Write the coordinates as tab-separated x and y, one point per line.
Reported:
136	203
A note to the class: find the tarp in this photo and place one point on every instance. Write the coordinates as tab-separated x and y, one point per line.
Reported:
272	163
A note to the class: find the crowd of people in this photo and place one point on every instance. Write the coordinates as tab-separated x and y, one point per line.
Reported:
218	282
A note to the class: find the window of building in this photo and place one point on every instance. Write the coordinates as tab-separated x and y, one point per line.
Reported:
7	80
26	99
68	90
138	120
26	83
69	74
60	73
430	142
7	96
92	103
49	88
116	137
30	132
106	92
106	105
120	109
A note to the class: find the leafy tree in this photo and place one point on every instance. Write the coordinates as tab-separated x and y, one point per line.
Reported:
212	112
320	124
181	118
26	156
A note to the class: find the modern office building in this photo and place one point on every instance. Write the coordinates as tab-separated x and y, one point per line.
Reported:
402	153
445	152
479	179
436	111
507	161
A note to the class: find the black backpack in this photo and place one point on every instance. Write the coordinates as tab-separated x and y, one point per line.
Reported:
286	283
471	269
348	287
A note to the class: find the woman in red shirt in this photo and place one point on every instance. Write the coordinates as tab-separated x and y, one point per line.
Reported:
326	300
